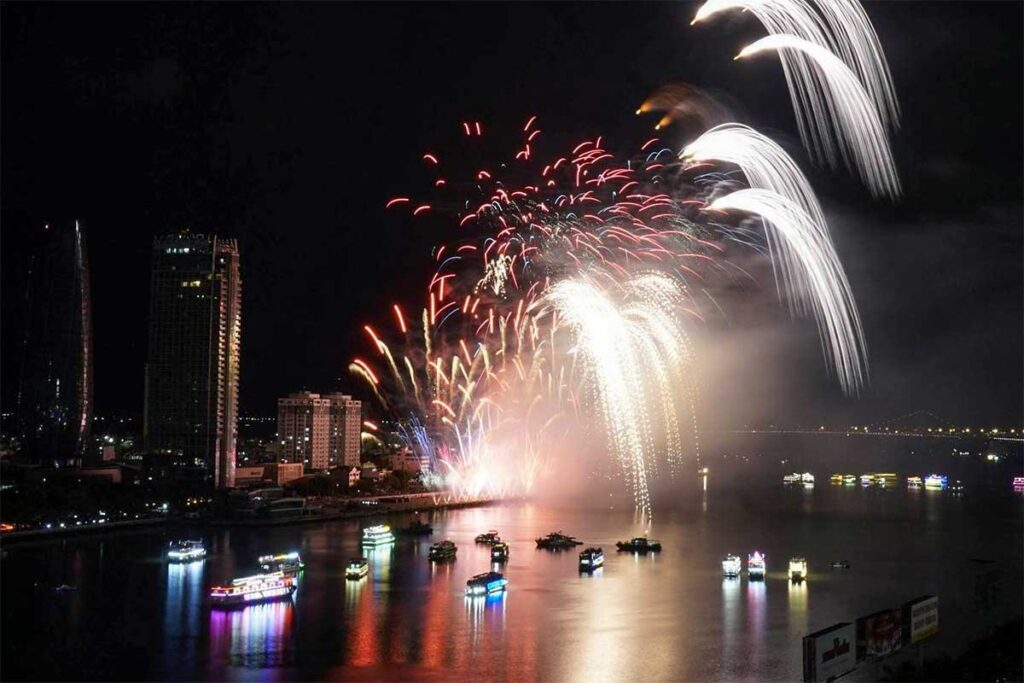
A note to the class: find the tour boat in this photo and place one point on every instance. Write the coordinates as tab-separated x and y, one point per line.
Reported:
1018	483
591	559
836	479
253	589
884	479
556	540
357	568
732	565
185	551
640	544
499	552
443	551
490	538
794	478
797	569
807	479
936	481
289	563
378	535
485	584
849	479
755	565
914	482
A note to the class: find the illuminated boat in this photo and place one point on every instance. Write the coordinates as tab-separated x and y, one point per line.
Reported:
418	528
640	544
1018	483
185	551
249	590
755	566
914	482
490	538
357	568
378	535
794	478
486	584
957	487
556	540
732	565
840	564
797	569
443	551
836	479
885	479
807	479
499	552
289	563
849	479
867	479
591	559
936	481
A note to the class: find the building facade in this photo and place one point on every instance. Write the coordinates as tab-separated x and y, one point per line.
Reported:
319	431
54	407
192	370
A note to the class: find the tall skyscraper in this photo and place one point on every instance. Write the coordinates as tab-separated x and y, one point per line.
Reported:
55	380
319	431
195	331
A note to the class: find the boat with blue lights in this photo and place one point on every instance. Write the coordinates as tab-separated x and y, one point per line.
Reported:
185	551
486	584
250	590
591	559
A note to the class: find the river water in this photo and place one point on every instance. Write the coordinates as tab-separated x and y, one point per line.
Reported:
660	617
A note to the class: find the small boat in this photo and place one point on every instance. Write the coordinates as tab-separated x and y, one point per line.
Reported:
556	540
807	479
64	588
797	569
443	551
836	479
867	479
936	481
378	535
794	478
253	589
486	584
357	568
185	551
849	479
755	566
499	552
289	563
732	565
591	559
490	538
640	544
418	528
914	482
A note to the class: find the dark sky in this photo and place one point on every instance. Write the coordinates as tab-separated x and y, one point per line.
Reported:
288	126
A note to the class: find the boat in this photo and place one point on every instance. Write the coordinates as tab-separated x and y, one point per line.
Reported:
884	479
792	478
1018	483
289	563
499	552
418	528
253	589
732	565
807	479
840	564
64	588
914	482
556	540
797	569
591	559
836	479
640	544
849	479
443	551
185	551
378	535
486	584
755	566
957	487
490	538
357	568
867	479
936	481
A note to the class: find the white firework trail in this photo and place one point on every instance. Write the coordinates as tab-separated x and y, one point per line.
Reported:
840	26
834	307
858	128
632	352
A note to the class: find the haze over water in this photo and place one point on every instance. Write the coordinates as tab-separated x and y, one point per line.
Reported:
135	616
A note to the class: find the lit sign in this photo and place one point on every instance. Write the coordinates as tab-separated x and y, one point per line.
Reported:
829	653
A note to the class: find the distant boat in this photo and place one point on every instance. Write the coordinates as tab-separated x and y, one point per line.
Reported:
64	588
640	544
490	538
732	565
556	540
378	535
289	563
840	564
357	568
797	569
443	551
756	566
185	551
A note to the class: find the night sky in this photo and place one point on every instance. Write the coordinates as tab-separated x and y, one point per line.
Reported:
289	126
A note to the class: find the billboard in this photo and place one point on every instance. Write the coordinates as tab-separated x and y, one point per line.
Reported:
920	619
879	634
830	653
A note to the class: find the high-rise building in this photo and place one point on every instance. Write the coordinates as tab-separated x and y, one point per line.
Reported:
318	431
55	380
195	330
